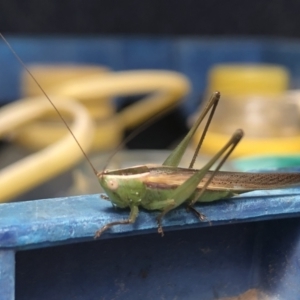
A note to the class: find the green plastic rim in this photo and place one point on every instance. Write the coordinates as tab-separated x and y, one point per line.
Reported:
266	162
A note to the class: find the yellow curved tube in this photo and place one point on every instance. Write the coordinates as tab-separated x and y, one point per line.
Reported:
165	89
39	167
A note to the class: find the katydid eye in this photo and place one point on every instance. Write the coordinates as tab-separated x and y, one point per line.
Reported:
112	184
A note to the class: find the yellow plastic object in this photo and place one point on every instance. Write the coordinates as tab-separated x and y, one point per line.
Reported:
51	77
45	164
247	79
253	97
272	146
163	88
260	116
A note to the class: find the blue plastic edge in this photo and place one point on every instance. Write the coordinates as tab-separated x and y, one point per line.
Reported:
40	223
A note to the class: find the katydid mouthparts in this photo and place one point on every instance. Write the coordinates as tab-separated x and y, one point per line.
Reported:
165	187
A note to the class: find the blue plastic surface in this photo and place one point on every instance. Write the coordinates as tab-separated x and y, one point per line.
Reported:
212	262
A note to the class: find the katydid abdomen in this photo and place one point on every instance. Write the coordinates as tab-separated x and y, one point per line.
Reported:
149	184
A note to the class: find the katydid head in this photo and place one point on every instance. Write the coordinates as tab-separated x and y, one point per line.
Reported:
124	187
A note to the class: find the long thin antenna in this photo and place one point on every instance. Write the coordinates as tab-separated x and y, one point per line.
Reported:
42	90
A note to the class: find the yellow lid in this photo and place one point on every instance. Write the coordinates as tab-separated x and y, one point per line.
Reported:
272	146
245	79
253	84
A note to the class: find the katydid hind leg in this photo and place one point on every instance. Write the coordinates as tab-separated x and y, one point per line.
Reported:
134	211
197	213
175	157
199	195
231	146
186	190
212	112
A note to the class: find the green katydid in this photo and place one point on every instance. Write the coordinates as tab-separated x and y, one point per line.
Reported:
163	188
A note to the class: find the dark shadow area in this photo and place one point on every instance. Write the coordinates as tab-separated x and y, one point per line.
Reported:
219	261
152	17
280	258
183	264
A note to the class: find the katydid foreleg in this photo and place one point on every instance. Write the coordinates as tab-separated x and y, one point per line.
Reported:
134	211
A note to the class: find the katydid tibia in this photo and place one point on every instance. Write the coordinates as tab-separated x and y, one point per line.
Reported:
165	187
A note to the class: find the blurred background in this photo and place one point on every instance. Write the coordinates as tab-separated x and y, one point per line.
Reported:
99	53
192	48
